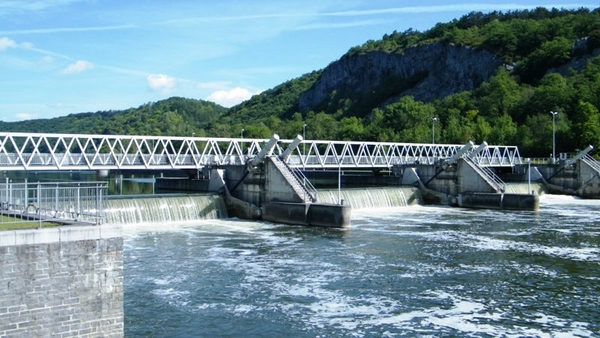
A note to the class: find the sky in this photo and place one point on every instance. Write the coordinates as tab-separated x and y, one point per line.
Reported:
59	57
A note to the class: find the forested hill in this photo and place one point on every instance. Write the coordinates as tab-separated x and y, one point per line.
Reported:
492	77
174	116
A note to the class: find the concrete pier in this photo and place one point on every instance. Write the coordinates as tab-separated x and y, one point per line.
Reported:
499	201
313	214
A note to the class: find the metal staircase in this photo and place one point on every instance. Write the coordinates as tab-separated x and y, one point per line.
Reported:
591	162
297	180
487	174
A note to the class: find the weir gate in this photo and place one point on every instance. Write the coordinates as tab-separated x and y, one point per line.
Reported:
271	178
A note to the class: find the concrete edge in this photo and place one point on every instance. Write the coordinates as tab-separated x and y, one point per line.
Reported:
59	234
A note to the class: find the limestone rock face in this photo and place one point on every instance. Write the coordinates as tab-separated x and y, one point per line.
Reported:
425	72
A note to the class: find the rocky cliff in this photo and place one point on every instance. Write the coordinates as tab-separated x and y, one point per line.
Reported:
425	72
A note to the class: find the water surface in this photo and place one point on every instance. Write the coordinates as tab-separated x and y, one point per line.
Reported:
405	271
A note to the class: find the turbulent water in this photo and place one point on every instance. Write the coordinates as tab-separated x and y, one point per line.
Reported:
404	271
363	198
164	209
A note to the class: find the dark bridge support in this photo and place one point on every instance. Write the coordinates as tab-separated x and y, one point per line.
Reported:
314	214
499	201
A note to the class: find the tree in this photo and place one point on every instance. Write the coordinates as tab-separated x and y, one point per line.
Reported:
352	128
457	129
322	126
553	93
482	130
501	95
586	125
550	54
410	120
504	130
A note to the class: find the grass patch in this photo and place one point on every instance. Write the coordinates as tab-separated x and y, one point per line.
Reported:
14	223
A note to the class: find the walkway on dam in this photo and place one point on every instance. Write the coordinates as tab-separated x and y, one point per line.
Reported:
36	151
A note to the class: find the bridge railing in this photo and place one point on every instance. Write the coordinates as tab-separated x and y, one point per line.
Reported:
498	156
52	201
28	151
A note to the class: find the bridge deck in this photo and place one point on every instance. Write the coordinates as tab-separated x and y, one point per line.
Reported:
31	151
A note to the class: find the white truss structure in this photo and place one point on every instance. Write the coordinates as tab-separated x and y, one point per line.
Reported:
36	152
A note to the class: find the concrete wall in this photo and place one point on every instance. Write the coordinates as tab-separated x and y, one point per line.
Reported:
277	188
470	180
315	214
455	179
250	190
328	215
64	281
499	201
579	179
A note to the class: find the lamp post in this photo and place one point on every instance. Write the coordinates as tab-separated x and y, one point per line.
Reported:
553	136
242	136
433	129
529	176
304	138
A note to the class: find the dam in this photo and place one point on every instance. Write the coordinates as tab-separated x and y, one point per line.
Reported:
275	179
69	279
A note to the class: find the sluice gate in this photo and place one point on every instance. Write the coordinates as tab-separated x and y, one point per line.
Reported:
462	181
578	176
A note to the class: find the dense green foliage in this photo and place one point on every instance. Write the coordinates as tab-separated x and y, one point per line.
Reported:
537	39
174	116
513	107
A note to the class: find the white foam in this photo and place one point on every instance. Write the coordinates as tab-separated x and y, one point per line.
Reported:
486	243
302	287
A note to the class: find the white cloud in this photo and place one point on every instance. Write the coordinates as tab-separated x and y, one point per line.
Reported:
25	116
6	43
34	5
161	82
67	30
78	67
229	98
27	45
47	59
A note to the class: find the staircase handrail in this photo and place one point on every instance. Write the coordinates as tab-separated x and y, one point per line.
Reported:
301	180
487	174
591	162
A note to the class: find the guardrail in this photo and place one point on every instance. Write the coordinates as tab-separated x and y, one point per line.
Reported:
81	202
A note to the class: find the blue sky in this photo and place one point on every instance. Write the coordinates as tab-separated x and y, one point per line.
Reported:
59	57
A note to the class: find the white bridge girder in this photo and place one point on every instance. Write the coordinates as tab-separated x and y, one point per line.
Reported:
36	152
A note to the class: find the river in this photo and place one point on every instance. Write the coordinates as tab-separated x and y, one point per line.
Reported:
397	272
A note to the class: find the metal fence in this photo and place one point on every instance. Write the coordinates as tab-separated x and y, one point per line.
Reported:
81	202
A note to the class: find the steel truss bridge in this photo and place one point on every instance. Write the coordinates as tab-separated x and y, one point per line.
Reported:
37	152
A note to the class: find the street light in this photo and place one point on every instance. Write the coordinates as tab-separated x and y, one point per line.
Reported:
529	176
304	138
553	136
242	133
433	129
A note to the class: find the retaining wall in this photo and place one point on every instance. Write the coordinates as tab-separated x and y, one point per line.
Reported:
65	281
